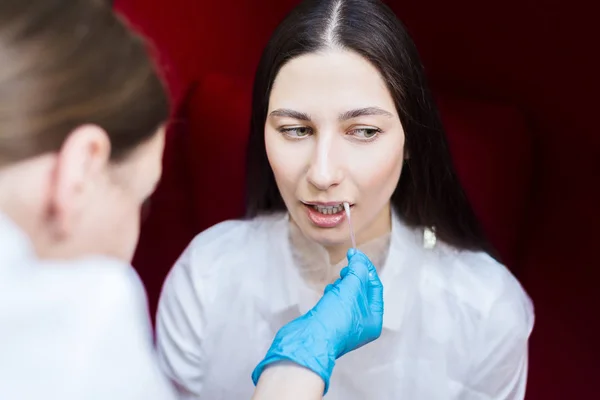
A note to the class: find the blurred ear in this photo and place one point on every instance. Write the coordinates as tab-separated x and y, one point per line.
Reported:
82	164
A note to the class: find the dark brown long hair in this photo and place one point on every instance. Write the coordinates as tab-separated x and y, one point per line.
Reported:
428	193
65	63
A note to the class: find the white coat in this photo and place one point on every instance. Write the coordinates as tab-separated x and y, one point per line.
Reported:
456	323
73	330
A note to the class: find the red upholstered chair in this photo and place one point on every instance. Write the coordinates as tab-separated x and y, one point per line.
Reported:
516	84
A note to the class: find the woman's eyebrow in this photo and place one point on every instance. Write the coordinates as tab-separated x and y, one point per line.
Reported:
285	112
361	112
358	112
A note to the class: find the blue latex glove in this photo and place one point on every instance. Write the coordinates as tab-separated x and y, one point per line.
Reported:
348	316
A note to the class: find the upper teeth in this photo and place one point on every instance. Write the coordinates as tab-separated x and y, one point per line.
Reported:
329	209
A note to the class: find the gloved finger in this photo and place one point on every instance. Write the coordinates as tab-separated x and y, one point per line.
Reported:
357	275
373	277
332	285
375	294
344	272
375	291
357	253
358	256
375	287
350	253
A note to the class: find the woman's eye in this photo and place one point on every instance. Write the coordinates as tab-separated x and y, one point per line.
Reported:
365	133
296	132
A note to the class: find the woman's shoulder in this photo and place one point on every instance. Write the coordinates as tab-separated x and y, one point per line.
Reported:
483	284
232	241
477	290
236	232
220	262
501	311
76	286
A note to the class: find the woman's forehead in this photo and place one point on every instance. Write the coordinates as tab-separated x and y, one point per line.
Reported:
340	80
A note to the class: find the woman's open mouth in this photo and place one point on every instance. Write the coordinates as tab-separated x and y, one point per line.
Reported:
327	215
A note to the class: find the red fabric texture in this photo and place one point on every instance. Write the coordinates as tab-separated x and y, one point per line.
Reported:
516	83
492	149
221	110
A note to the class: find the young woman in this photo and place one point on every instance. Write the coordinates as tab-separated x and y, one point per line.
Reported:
341	113
82	112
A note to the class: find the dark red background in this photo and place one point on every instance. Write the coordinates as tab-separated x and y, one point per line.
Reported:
517	85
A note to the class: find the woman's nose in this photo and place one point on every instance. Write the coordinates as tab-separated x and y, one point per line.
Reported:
324	170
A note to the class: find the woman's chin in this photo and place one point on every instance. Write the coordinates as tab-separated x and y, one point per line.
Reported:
326	237
336	236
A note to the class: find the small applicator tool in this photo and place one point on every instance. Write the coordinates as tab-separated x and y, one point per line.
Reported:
347	209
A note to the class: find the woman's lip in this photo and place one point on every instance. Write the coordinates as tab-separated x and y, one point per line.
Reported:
328	204
324	220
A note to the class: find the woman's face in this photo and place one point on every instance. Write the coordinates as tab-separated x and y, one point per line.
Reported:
333	135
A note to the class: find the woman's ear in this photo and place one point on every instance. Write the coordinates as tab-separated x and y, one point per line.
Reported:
81	163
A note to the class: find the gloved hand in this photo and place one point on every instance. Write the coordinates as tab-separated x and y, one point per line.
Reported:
348	316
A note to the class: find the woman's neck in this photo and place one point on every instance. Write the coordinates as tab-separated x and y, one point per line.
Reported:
379	227
320	265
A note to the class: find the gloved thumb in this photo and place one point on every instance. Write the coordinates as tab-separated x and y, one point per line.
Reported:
375	293
358	268
375	287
